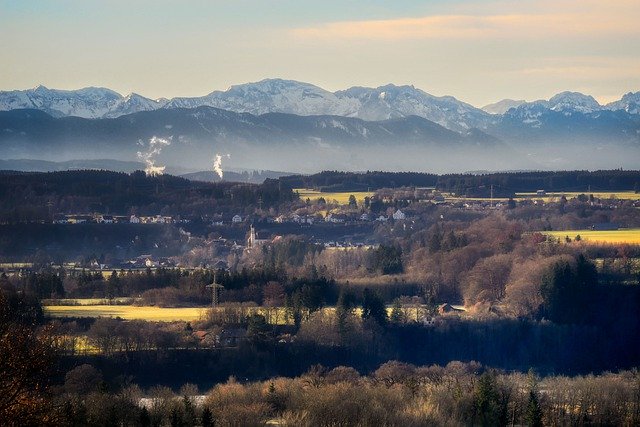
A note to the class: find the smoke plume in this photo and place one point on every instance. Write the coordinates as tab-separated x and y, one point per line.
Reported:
217	164
149	156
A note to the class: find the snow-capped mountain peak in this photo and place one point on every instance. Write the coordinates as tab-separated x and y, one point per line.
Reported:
289	96
574	101
630	103
90	102
391	101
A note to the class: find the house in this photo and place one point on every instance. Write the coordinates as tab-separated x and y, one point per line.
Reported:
364	217
438	198
334	218
60	219
236	219
79	219
399	215
382	218
105	219
220	265
205	338
448	308
541	193
231	337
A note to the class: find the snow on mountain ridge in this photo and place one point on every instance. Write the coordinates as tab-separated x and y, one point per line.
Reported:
630	102
574	101
293	97
90	102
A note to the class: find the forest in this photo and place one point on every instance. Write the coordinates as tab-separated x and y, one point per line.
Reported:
476	184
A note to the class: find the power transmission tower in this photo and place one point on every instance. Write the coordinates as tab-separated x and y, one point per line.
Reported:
215	286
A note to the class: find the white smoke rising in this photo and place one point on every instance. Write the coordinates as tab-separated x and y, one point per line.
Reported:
149	156
217	164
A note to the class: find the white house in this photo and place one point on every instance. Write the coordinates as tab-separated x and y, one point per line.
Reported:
236	219
382	218
399	215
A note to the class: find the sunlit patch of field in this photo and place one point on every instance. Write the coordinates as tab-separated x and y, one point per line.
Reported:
454	199
551	197
274	315
154	314
340	198
128	312
629	236
88	301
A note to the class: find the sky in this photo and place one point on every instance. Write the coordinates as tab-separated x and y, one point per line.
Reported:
478	51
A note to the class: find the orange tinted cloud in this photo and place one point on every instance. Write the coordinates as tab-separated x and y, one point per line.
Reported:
589	18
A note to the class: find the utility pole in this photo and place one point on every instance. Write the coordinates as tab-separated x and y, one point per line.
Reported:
491	195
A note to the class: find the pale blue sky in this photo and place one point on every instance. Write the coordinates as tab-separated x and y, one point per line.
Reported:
478	51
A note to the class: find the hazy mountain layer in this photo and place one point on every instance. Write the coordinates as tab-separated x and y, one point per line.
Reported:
274	141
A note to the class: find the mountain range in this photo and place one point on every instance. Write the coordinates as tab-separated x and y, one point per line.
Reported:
292	97
286	125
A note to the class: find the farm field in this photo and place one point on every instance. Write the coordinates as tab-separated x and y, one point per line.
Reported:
549	197
630	235
340	198
620	195
127	312
184	314
151	313
89	301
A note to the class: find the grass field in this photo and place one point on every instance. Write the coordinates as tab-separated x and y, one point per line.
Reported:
340	198
159	314
89	301
549	197
128	312
630	235
152	314
620	195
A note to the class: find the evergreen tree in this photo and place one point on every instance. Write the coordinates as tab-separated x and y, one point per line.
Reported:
145	419
490	409
373	307
207	417
533	415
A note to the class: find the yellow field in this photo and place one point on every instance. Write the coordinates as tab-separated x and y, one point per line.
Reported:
152	314
340	198
550	197
128	312
88	301
630	235
159	314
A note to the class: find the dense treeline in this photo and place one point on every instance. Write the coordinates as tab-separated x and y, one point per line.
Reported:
355	181
505	184
37	196
58	243
394	394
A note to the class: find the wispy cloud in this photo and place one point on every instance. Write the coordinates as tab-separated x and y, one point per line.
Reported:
550	19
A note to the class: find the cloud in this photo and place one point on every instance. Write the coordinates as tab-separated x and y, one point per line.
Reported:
570	19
